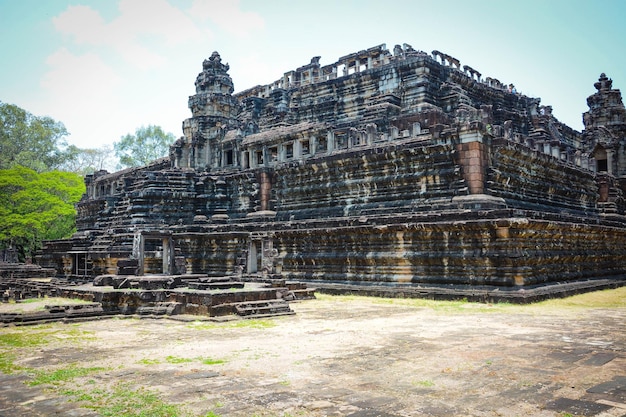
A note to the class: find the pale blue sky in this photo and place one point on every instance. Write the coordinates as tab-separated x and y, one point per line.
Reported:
106	67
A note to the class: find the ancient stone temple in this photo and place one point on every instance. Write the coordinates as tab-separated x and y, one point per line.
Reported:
386	171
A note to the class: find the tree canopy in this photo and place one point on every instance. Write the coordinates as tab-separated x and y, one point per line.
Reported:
37	206
30	141
89	160
146	145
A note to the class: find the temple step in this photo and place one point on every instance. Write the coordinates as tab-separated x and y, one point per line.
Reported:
248	309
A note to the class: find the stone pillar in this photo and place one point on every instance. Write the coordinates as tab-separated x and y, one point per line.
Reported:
472	157
168	255
138	252
265	190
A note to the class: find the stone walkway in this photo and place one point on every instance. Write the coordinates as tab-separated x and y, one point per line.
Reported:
355	357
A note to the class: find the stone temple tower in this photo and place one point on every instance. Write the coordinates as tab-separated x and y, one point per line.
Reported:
214	111
605	138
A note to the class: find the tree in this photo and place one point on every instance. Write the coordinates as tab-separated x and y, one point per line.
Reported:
37	206
89	160
146	145
31	141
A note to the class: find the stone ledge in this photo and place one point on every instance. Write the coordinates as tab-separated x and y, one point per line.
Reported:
485	294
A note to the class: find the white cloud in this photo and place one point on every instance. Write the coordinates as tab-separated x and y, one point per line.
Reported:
227	14
79	75
83	23
129	33
82	91
103	81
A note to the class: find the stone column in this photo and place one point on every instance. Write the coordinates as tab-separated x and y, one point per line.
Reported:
330	141
609	160
265	190
472	157
167	255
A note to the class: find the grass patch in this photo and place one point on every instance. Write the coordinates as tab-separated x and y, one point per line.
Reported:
147	361
211	361
236	324
16	343
61	375
123	401
24	339
177	359
7	365
424	383
612	298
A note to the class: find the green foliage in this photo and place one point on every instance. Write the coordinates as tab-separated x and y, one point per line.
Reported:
146	145
31	141
36	207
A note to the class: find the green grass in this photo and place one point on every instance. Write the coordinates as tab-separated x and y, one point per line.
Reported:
235	324
7	365
23	339
176	360
425	383
61	375
613	298
124	401
147	361
211	361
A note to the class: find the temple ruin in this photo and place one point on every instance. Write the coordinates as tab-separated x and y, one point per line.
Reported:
387	172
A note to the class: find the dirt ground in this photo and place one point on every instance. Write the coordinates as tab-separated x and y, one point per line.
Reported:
337	356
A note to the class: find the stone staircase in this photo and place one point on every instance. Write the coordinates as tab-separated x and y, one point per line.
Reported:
254	309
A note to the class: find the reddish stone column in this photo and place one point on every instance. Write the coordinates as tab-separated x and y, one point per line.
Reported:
473	159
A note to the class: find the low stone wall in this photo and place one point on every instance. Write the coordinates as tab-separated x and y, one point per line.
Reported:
492	249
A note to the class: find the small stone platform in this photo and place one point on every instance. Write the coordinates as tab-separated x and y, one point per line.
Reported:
155	295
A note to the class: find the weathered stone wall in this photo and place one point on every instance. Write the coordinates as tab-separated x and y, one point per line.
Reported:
530	179
461	250
214	254
367	181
